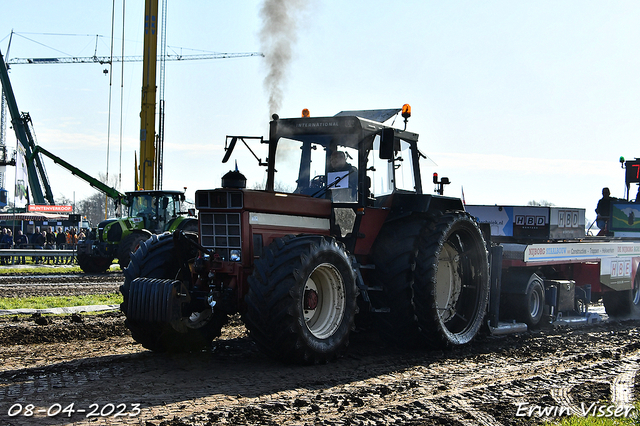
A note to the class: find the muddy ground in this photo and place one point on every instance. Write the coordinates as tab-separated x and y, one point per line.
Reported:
86	370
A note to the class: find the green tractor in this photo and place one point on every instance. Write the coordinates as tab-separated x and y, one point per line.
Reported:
150	212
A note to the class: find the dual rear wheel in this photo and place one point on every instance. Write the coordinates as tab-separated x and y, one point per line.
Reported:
435	278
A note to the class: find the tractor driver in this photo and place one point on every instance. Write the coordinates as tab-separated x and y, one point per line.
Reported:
338	165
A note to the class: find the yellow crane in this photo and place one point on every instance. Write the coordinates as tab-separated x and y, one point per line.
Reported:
146	170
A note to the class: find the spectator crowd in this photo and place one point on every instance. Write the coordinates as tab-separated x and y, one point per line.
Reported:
45	239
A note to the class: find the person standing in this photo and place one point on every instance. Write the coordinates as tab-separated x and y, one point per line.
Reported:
39	239
61	240
21	242
7	242
603	209
50	244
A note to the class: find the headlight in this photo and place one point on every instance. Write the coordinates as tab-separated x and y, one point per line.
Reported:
234	256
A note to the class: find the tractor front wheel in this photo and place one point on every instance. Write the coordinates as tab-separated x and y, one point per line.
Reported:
93	264
302	299
196	330
128	245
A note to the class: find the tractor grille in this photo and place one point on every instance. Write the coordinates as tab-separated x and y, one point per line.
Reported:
221	232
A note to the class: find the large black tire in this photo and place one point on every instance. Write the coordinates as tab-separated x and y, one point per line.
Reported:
435	278
155	258
451	290
623	304
302	299
394	256
93	264
128	245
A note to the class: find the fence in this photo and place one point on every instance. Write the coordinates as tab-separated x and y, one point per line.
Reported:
13	256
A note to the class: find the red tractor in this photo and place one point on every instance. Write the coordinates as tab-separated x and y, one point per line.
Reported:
342	229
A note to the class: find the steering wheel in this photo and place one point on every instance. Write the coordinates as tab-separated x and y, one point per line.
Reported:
318	182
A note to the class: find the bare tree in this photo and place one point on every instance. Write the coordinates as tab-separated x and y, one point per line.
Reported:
93	207
544	203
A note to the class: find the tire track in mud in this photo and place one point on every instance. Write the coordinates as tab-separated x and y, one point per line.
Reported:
434	392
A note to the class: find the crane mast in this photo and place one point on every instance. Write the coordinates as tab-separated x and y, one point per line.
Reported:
146	169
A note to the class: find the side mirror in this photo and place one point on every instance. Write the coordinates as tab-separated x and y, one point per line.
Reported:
387	143
229	149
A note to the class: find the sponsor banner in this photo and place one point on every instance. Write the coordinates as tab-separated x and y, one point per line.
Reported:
513	221
41	208
22	180
579	251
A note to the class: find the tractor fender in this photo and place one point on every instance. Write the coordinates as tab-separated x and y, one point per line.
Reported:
182	223
404	204
146	232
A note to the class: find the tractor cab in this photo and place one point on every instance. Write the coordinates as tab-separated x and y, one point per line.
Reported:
155	208
348	159
362	166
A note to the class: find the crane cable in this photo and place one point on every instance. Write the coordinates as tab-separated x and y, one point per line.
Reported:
121	101
106	197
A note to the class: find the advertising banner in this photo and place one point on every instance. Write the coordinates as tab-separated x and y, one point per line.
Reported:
22	179
57	209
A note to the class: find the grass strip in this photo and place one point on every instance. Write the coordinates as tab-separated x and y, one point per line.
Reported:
40	270
46	302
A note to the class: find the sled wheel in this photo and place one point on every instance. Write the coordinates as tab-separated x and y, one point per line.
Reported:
530	306
625	303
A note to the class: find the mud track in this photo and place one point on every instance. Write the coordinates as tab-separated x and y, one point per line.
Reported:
92	363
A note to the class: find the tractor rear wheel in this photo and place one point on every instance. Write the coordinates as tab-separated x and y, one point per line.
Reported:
302	299
435	278
451	289
623	304
394	256
127	246
155	258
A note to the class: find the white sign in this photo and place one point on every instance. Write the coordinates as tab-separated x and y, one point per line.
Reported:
338	179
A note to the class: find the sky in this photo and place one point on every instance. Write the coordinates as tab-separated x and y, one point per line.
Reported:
513	101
